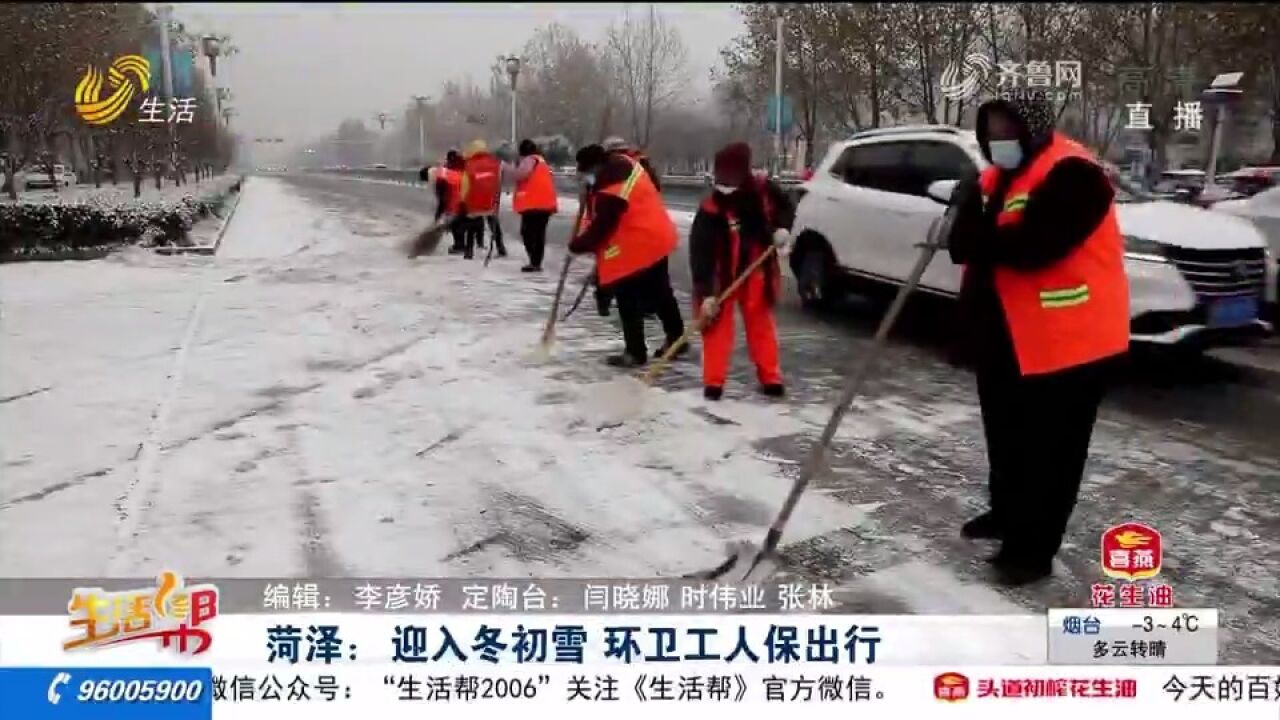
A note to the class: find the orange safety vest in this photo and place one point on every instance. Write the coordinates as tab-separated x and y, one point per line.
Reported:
453	179
537	191
645	234
481	183
1077	310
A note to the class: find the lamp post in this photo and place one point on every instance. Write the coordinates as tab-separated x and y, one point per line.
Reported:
421	102
513	72
211	46
1224	89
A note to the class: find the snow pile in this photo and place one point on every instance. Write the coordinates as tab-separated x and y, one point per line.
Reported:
51	224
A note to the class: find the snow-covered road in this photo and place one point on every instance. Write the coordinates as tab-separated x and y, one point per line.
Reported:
308	402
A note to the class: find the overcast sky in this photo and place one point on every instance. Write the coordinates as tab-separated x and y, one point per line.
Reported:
304	67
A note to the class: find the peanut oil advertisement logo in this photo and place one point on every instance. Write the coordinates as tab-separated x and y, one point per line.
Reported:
1132	551
127	77
951	687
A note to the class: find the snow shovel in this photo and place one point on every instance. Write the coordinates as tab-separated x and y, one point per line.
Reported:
744	559
625	396
543	351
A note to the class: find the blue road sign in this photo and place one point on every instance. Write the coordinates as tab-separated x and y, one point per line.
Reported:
771	119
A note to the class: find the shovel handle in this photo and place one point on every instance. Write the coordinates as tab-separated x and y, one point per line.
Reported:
852	389
550	329
655	369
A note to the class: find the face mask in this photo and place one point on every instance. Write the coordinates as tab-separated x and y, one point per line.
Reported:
588	179
726	189
1006	153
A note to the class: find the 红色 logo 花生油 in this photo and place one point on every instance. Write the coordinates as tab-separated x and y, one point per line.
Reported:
1132	551
171	612
128	77
951	687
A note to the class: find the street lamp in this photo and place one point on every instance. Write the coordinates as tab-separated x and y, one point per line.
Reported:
1224	89
421	101
211	45
513	71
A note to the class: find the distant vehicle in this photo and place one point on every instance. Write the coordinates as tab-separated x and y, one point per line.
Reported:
1250	181
1197	278
39	177
380	166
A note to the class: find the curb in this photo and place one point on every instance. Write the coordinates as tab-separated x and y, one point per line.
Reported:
206	249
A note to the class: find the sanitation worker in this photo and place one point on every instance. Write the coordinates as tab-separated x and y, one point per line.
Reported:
534	201
1047	303
743	216
481	187
628	228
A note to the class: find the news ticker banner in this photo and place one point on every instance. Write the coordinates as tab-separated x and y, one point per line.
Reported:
74	692
475	614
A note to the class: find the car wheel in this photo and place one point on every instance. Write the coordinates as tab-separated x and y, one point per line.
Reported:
814	269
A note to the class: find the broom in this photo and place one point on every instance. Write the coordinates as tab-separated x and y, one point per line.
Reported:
543	351
428	241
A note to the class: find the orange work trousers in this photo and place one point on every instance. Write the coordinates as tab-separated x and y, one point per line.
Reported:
762	333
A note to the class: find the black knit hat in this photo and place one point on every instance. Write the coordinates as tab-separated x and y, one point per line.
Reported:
528	147
590	157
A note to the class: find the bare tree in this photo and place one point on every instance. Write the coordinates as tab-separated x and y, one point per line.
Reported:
650	66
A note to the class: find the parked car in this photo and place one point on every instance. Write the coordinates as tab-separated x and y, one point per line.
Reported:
1197	277
380	166
1263	210
39	177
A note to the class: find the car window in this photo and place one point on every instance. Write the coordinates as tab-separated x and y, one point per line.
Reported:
934	161
879	166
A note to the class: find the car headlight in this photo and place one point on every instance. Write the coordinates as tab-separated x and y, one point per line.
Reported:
1140	248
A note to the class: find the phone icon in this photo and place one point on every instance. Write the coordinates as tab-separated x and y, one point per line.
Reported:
59	680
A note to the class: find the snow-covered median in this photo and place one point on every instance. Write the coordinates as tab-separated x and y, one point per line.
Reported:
53	224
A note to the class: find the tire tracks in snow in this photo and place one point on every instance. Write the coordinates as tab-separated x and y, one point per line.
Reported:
135	500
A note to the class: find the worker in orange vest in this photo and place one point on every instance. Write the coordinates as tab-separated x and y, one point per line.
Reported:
446	180
1047	300
739	220
627	226
534	201
616	144
481	186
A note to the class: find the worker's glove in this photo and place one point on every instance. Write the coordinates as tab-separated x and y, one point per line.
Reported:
708	309
783	241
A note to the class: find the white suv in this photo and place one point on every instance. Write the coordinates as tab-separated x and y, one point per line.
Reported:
1195	276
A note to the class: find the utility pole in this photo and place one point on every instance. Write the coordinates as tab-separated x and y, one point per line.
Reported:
777	100
513	70
421	101
166	61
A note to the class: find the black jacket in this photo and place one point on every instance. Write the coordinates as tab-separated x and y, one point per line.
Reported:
1059	216
606	210
709	245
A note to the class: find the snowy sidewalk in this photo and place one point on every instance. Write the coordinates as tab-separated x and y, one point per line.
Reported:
308	402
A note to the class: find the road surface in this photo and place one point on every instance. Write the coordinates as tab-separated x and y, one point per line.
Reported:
309	403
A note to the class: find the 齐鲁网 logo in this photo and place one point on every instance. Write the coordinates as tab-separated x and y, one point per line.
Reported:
960	81
169	612
128	76
1132	551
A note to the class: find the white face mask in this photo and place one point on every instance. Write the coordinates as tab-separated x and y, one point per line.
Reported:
726	189
1006	153
588	179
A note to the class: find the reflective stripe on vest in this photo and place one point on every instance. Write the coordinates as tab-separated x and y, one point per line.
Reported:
1075	311
645	233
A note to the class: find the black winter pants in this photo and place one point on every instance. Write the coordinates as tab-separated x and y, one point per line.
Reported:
533	231
1038	430
640	293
